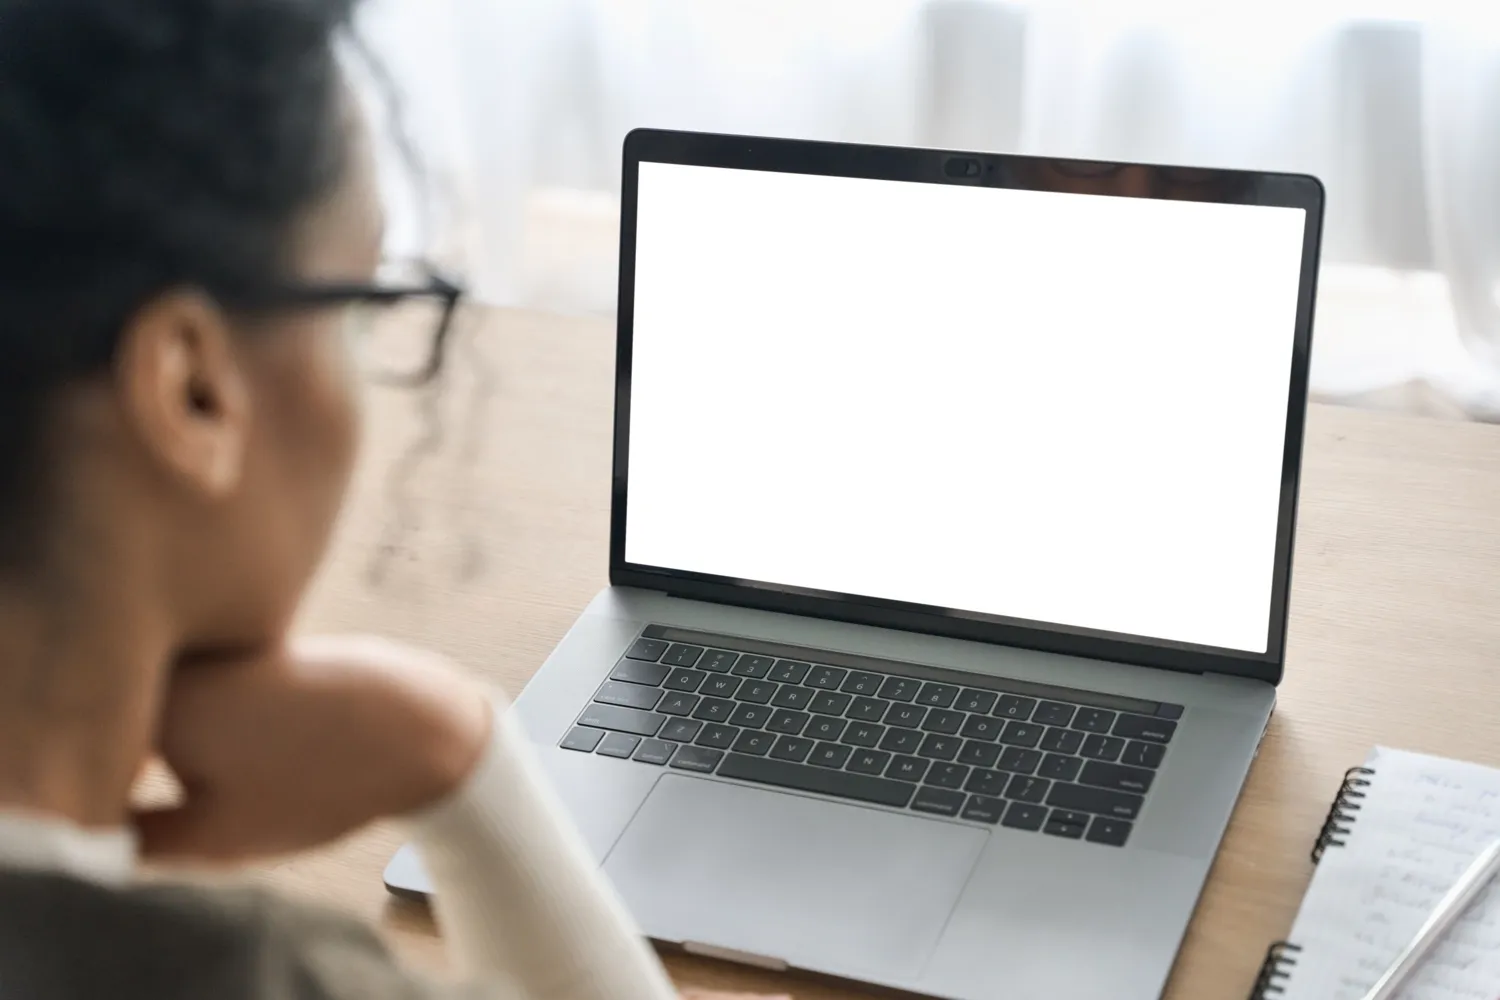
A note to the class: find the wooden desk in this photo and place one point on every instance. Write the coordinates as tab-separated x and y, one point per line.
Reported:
1395	633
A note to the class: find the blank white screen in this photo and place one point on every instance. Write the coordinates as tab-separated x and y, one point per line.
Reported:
1056	407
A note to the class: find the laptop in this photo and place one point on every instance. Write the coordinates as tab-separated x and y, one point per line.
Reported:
952	526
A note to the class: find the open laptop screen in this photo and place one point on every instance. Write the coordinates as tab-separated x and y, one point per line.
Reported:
1066	409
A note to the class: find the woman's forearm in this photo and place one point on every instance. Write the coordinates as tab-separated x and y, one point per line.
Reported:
518	894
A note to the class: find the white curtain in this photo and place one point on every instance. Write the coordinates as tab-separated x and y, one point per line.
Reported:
518	108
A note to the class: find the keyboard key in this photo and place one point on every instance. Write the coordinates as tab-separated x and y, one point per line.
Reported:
628	696
757	692
829	703
947	775
900	689
1022	734
1138	727
907	768
905	716
582	739
752	741
937	801
697	759
1015	707
991	783
622	720
677	703
714	710
940	747
1024	816
646	649
1062	740
791	748
1053	713
1094	720
842	784
983	809
1024	789
1102	747
684	680
682	655
826	678
788	722
1062	823
718	661
655	752
901	741
750	716
1109	832
1020	760
791	696
869	761
830	755
636	672
789	671
863	734
937	695
1080	798
942	721
618	744
717	736
752	666
825	727
979	754
1143	754
860	683
681	730
722	687
868	709
1117	776
1059	768
976	701
979	728
1169	711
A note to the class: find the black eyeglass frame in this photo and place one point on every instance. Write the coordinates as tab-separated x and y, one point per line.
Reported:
449	290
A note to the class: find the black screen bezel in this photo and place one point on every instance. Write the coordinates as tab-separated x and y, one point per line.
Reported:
931	166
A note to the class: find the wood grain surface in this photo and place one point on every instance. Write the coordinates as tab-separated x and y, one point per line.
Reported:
1394	635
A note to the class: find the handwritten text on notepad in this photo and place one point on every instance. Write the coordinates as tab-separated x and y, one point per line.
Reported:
1422	822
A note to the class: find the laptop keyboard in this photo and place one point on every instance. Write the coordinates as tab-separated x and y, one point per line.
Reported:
1037	759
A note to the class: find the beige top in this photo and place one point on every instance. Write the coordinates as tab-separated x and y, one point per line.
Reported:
522	904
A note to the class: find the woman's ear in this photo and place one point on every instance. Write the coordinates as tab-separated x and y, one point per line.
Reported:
184	391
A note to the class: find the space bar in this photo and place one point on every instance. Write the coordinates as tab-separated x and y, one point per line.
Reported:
806	778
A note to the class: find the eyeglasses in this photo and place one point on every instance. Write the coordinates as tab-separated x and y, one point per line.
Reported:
398	325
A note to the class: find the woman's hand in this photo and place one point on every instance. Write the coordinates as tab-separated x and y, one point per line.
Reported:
288	750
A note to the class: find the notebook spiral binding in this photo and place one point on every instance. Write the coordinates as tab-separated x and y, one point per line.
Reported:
1341	814
1271	981
1281	957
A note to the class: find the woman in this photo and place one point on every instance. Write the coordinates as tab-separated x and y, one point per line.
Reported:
188	210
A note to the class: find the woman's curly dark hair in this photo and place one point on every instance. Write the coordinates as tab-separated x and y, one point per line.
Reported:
145	145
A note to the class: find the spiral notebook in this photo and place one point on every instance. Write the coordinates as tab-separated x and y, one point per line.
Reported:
1401	831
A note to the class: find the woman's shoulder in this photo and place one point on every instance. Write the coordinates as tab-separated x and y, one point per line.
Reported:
62	938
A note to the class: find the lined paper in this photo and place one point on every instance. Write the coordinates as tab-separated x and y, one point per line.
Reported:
1423	821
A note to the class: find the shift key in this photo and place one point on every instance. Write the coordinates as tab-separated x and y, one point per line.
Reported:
1120	777
622	720
1101	801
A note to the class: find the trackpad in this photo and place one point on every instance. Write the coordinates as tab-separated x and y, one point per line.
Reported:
817	884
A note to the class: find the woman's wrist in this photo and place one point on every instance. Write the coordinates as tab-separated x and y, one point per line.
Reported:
450	742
